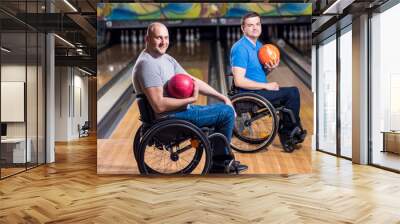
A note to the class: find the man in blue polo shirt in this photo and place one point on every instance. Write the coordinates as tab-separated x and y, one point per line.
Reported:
249	75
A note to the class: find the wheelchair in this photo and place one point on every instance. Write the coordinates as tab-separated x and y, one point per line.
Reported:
258	121
83	130
170	146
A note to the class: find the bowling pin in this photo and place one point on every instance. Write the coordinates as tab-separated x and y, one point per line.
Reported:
134	37
284	32
127	39
140	36
178	35
238	33
187	40
197	34
121	37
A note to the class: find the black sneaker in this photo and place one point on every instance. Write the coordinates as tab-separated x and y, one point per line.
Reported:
228	167
234	166
286	142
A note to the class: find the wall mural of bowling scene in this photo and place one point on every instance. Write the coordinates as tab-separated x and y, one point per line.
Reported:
204	94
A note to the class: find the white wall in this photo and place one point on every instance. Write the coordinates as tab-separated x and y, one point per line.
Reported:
71	94
33	126
61	103
12	73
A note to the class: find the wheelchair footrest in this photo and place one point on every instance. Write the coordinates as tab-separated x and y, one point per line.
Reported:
228	167
298	135
234	166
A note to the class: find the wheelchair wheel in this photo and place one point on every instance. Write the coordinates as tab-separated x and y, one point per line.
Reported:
256	124
174	147
136	141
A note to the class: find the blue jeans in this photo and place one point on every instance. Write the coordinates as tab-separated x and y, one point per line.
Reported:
288	97
219	116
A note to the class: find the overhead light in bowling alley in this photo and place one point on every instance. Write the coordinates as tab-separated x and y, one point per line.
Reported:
337	7
65	41
5	50
84	71
70	5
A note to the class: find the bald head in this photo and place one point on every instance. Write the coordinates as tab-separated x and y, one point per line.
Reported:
157	38
155	27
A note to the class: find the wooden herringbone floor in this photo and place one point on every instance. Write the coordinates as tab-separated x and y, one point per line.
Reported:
70	191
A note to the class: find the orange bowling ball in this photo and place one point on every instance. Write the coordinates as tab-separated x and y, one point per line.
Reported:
268	53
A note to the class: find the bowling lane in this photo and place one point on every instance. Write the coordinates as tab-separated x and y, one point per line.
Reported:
114	59
115	154
300	59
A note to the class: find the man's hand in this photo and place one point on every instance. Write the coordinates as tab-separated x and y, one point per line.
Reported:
228	102
195	91
271	66
272	86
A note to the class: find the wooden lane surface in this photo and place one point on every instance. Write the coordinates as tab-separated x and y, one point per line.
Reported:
274	160
113	60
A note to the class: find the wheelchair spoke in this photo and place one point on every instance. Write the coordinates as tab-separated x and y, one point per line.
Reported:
184	149
159	160
169	165
259	115
185	160
255	125
174	148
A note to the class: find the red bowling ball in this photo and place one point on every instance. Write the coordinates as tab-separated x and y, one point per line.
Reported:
180	86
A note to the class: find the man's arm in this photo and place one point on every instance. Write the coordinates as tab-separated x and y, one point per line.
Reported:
161	104
207	90
204	88
242	82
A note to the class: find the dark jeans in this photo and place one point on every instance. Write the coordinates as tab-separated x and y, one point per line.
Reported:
219	116
288	97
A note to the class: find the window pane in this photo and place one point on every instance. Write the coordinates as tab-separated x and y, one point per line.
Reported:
345	94
14	153
41	99
31	97
327	96
385	84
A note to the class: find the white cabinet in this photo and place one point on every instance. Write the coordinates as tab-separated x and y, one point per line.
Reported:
17	147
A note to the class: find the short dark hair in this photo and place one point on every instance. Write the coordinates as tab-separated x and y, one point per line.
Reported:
249	15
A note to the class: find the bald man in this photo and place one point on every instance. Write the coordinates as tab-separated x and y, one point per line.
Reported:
152	71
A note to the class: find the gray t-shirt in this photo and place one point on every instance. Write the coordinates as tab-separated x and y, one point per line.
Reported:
154	72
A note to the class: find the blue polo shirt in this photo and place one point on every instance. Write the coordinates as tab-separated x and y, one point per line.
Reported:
244	54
